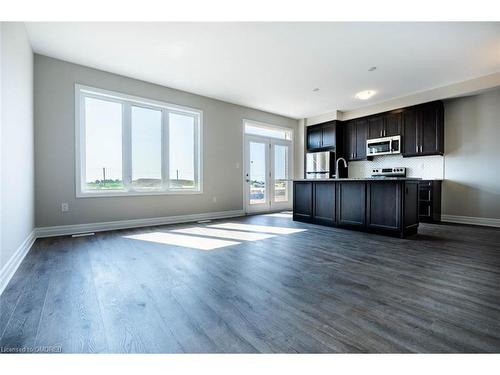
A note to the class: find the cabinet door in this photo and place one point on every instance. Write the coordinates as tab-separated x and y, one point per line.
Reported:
411	209
302	200
350	140
375	127
383	205
324	203
392	124
410	142
328	136
361	137
429	143
314	138
351	203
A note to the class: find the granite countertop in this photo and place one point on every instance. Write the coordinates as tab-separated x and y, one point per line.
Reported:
370	179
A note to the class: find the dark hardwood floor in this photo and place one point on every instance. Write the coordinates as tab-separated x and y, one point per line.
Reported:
228	286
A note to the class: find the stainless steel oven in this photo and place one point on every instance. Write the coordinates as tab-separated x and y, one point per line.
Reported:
383	146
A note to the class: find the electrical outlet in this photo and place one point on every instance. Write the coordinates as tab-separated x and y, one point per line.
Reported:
237	165
214	199
64	207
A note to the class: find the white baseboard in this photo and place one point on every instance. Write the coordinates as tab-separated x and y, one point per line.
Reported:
10	268
486	221
135	223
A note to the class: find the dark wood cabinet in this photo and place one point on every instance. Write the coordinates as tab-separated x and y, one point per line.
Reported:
361	137
429	200
324	203
322	137
383	207
314	136
386	125
302	200
328	136
356	134
432	128
351	203
376	127
350	140
423	130
392	124
411	122
377	206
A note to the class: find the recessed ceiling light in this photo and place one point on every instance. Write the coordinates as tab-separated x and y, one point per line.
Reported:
372	69
364	95
316	89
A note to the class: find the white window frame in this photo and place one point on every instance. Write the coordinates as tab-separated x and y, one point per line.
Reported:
127	101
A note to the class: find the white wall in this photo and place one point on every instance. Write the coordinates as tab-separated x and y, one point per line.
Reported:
17	164
472	171
55	153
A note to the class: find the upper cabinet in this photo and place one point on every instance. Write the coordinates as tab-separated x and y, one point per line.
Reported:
322	137
314	138
392	124
375	127
423	130
385	125
356	134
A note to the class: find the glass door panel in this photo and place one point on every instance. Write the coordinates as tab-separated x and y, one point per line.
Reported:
258	173
280	173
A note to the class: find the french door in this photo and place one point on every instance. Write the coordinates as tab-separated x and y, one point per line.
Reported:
268	171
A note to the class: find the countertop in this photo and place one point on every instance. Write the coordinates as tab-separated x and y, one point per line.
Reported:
369	179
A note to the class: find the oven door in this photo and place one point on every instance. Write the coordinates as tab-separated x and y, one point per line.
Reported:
381	146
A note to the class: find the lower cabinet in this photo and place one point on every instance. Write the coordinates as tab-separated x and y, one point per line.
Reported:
351	203
302	200
324	203
429	200
383	206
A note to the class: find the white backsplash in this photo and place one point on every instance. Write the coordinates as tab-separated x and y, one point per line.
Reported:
426	167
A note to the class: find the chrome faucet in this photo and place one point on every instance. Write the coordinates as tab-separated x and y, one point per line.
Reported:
337	166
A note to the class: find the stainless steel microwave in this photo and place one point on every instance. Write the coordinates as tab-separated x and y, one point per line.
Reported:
383	146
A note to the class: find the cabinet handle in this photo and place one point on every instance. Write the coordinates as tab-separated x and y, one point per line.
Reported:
381	133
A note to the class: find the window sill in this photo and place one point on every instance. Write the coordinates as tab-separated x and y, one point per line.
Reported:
117	193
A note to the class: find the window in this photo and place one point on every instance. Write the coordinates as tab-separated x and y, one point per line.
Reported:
133	146
256	128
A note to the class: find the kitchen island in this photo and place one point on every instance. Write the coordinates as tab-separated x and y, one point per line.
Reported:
378	205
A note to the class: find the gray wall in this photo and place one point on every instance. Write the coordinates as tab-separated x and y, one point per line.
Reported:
55	153
472	169
17	174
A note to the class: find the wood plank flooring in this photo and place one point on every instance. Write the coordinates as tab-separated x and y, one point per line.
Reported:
260	284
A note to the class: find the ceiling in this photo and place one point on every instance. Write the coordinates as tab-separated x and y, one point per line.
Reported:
275	66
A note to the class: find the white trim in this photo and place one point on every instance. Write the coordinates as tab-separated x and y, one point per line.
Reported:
10	268
486	221
82	91
63	230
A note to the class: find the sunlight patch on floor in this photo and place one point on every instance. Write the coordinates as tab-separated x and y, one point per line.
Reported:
226	234
200	243
257	228
284	215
